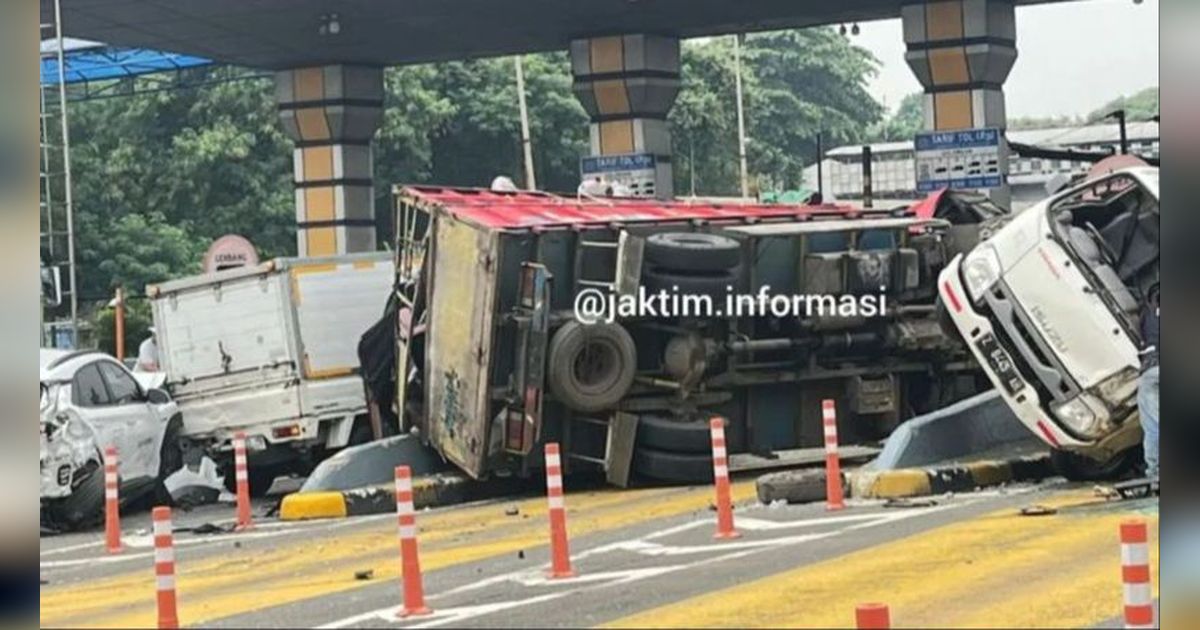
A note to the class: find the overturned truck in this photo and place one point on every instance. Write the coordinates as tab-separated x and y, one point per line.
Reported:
751	312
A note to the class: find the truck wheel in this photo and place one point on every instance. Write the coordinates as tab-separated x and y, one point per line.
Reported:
670	434
84	508
591	367
1076	467
693	251
260	478
714	284
676	467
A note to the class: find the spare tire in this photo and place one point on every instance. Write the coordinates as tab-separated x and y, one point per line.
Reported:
692	251
714	284
676	435
678	467
591	367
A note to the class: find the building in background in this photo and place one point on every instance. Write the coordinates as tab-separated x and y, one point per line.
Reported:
893	175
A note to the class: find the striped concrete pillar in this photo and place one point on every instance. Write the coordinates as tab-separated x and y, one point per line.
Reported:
627	84
962	51
331	113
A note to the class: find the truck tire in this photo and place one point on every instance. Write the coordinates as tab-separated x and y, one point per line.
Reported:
715	284
591	367
84	508
692	251
260	478
675	435
675	467
1076	467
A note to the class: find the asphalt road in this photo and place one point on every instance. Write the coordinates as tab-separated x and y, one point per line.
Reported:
645	558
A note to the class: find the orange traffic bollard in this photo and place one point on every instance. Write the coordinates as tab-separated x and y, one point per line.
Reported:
164	568
872	617
241	472
833	467
410	563
112	506
716	430
1135	575
560	554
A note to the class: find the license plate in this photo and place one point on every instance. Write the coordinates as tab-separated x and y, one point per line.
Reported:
1000	363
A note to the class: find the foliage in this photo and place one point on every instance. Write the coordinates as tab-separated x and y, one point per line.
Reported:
905	123
159	175
1140	106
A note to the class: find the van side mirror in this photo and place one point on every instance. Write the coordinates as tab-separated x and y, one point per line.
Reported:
158	397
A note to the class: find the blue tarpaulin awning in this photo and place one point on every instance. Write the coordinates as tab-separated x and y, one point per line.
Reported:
91	61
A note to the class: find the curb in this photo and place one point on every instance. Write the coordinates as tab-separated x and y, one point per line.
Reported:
916	482
427	492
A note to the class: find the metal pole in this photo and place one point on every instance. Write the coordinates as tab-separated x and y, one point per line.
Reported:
868	201
1124	137
741	116
526	145
820	167
119	324
66	149
692	162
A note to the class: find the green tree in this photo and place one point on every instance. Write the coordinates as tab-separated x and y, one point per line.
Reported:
905	123
1142	105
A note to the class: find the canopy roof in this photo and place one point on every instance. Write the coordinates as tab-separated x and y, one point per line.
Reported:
86	60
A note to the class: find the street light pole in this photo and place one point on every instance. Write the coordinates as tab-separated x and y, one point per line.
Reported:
741	116
526	144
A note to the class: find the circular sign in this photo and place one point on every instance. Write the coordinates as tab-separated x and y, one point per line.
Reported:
228	252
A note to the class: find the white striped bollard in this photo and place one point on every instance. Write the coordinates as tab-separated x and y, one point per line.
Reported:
112	505
1135	575
164	568
241	472
833	467
560	554
410	563
725	529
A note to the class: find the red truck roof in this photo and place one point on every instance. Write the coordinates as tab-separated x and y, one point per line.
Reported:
523	210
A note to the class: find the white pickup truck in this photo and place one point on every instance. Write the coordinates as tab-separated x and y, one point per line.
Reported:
1050	305
270	350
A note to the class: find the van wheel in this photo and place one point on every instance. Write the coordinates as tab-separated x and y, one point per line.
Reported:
1076	467
591	367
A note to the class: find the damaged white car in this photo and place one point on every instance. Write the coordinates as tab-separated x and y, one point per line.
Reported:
90	401
1050	305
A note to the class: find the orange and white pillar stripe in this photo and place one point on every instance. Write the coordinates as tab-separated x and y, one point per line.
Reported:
1135	575
725	529
241	472
164	568
833	466
560	553
112	505
410	563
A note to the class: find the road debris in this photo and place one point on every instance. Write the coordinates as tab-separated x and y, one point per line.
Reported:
365	574
1038	510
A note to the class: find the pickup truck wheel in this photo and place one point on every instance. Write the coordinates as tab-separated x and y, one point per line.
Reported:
591	367
676	467
676	435
84	508
170	459
260	478
692	251
1076	467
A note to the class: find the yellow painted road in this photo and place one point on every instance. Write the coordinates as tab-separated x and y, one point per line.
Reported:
249	579
999	570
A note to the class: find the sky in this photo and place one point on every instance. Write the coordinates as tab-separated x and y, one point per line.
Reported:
1072	57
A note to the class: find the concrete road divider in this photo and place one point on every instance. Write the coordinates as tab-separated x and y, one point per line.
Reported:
241	472
866	483
410	563
833	467
725	529
112	505
435	490
560	553
1135	575
872	617
164	568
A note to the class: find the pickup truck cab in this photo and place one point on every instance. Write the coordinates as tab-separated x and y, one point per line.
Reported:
1050	307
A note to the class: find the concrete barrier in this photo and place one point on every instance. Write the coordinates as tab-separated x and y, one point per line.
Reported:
866	483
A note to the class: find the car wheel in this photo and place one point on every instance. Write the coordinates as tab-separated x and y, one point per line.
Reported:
170	459
84	508
715	284
675	435
591	367
674	467
692	251
1076	467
